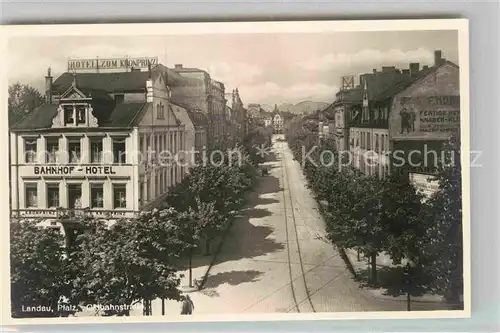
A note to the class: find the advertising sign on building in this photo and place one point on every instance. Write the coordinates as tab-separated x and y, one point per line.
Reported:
427	110
111	63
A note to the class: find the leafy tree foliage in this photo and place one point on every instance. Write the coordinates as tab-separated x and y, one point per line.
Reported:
41	271
22	99
442	254
131	260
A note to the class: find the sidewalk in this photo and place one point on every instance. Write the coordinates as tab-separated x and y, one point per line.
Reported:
389	276
387	273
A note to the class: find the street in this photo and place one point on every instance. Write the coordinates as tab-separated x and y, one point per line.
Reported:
276	259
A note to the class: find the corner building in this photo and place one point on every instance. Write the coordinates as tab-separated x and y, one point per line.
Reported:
95	145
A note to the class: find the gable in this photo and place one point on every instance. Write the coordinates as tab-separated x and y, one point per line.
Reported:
149	115
73	93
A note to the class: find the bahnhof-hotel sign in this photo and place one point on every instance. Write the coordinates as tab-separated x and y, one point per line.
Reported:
111	63
67	170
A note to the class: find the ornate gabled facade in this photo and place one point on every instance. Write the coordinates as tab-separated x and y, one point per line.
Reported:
100	145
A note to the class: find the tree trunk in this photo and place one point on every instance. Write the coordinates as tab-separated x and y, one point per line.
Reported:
373	270
207	246
191	268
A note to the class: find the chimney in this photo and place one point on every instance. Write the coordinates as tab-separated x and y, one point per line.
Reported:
414	68
178	65
48	87
438	59
374	70
406	71
425	67
388	69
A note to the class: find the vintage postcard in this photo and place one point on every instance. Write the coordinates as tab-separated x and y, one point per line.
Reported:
235	171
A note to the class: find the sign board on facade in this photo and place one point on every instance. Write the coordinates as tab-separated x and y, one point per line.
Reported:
429	109
111	63
424	183
425	116
68	170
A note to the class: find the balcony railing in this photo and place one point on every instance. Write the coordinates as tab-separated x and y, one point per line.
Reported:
70	213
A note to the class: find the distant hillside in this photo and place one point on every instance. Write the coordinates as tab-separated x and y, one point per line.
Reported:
304	107
267	107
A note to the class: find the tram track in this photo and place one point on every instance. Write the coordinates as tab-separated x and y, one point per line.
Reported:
286	184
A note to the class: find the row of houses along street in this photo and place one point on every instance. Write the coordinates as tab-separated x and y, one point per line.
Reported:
411	111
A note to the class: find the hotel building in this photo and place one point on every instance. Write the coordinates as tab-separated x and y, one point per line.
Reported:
101	144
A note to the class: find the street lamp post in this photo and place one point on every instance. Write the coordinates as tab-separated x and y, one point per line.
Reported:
407	282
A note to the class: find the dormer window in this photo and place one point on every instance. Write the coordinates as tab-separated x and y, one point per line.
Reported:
80	111
68	115
119	98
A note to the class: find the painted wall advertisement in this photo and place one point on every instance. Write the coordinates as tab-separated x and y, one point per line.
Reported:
428	109
426	117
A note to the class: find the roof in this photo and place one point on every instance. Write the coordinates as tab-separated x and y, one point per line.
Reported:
188	69
403	84
377	83
108	82
119	81
40	117
198	118
122	115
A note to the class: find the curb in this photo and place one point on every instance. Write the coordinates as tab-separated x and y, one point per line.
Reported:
201	284
341	250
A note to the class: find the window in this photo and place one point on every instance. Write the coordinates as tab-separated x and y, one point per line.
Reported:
52	195
96	150
141	192
368	141
119	196
119	98
382	144
30	150
160	111
141	143
75	196
80	111
68	115
119	154
74	150
96	195
31	195
175	142
52	148
376	142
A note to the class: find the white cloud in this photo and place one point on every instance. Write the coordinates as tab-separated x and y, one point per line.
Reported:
368	57
234	74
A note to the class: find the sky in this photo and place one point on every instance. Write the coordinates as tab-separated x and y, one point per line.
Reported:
266	68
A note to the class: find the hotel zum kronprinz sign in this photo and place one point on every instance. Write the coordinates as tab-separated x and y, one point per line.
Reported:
111	63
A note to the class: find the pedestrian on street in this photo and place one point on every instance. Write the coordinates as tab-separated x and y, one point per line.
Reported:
187	306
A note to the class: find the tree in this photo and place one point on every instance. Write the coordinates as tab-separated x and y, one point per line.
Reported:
442	248
22	99
130	261
41	271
